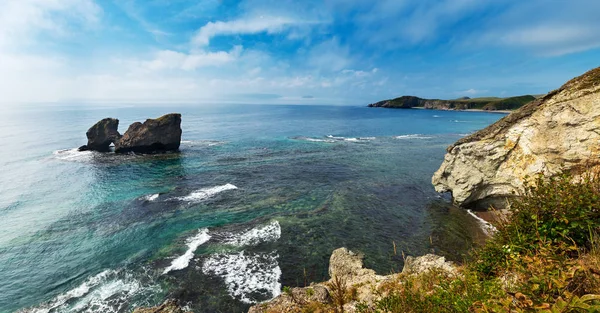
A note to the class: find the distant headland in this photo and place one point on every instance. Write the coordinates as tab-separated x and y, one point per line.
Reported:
465	103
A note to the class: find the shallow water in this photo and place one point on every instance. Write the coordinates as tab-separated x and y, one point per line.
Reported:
257	199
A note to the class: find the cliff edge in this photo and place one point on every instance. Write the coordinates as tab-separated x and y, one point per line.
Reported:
557	133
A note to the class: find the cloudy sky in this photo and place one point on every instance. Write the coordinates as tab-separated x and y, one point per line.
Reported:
282	51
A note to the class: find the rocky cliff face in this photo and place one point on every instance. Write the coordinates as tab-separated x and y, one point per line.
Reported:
559	132
161	134
101	135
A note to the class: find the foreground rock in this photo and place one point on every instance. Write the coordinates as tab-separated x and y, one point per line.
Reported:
154	135
559	132
358	285
102	135
169	306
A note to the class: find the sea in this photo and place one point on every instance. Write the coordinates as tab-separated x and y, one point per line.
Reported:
256	199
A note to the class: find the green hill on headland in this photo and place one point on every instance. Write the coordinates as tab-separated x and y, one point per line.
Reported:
486	103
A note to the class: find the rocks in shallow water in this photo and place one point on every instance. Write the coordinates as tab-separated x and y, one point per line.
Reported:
101	135
169	306
557	133
154	135
344	265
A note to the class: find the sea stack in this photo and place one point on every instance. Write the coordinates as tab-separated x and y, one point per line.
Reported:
154	135
554	134
101	135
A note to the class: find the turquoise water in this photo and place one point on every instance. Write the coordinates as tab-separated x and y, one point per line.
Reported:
257	199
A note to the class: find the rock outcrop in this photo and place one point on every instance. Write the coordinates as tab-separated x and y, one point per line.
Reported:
154	135
557	133
363	285
102	135
169	306
425	263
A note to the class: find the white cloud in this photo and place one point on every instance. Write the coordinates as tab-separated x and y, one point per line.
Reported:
551	40
470	92
168	59
28	75
252	25
549	30
329	55
21	21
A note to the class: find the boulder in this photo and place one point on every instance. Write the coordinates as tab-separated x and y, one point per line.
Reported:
559	132
154	135
101	135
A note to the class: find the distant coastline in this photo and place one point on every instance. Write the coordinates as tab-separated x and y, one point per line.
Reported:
487	104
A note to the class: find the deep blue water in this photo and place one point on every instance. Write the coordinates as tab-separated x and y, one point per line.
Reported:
257	199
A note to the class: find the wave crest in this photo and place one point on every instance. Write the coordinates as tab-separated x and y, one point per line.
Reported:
193	243
205	193
267	233
247	275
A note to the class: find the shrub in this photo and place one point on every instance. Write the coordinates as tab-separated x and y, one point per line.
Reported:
559	211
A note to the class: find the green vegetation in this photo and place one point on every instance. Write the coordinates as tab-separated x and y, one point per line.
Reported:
512	103
543	258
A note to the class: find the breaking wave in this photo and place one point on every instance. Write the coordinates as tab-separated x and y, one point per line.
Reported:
73	155
250	278
193	243
267	233
413	136
105	292
202	143
205	193
150	198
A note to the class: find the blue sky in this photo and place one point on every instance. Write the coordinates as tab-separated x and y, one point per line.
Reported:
279	51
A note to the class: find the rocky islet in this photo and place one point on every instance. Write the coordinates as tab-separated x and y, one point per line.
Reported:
154	135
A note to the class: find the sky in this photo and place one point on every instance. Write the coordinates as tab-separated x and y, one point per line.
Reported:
343	52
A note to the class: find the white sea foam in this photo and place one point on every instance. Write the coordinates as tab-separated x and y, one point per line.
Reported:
73	155
76	292
317	139
205	193
413	136
246	275
151	198
437	116
208	143
488	228
105	292
266	233
351	139
193	243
